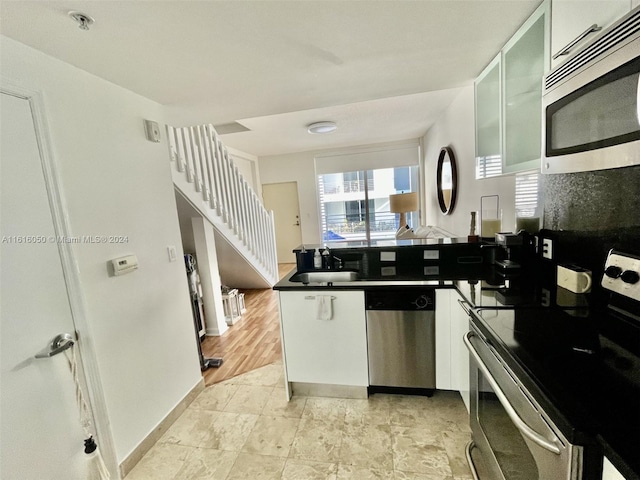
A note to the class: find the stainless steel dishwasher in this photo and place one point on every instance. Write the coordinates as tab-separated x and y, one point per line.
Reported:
401	340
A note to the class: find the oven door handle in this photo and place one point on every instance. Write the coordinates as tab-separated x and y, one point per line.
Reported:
513	415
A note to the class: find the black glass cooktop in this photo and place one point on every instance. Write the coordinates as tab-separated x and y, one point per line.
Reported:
582	366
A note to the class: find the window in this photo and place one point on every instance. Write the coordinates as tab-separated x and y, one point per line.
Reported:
489	166
355	205
527	192
527	202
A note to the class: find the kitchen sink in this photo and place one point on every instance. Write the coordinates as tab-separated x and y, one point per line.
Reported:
325	277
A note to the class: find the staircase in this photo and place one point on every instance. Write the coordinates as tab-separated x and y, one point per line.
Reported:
204	173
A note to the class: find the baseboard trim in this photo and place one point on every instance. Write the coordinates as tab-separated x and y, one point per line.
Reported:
325	390
150	440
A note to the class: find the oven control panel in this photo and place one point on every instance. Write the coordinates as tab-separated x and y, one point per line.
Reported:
622	274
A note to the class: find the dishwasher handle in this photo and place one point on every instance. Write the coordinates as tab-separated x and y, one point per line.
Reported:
513	415
465	306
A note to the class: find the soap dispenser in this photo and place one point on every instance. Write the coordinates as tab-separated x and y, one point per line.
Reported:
317	259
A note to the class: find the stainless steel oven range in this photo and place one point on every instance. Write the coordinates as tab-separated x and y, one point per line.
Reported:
553	390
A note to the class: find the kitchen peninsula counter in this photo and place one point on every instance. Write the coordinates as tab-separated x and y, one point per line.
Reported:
420	262
484	286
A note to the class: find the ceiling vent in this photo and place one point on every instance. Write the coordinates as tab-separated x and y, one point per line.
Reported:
233	127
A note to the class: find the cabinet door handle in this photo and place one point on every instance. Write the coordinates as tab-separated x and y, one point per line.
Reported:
566	50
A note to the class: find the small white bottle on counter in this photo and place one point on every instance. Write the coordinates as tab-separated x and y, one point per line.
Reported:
317	259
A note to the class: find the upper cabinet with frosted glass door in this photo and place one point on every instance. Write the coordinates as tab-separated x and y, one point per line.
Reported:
525	60
508	98
576	22
488	105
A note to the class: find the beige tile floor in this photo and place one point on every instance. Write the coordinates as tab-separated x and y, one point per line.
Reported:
243	428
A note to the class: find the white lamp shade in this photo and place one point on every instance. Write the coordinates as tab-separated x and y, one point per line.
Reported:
403	202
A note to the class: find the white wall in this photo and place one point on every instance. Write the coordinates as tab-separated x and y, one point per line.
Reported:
185	213
300	167
455	129
115	182
248	166
297	167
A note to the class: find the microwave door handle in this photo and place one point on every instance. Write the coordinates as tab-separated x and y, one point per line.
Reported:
566	50
513	415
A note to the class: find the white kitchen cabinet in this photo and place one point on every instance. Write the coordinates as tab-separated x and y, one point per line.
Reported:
508	101
452	357
525	60
488	120
443	339
330	352
459	352
609	472
572	19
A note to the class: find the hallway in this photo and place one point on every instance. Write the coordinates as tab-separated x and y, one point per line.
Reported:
254	341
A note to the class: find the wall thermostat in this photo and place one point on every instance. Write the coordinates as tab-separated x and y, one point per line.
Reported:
124	265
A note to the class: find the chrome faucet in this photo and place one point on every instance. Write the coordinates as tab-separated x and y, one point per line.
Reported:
326	258
337	262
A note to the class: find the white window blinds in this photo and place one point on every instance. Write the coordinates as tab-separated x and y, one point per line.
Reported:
384	157
527	192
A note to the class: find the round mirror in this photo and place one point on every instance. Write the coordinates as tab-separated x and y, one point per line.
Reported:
447	180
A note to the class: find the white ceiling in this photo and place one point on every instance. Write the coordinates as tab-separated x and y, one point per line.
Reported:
383	70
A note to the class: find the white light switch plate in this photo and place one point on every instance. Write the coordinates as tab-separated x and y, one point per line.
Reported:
387	256
173	254
631	290
431	254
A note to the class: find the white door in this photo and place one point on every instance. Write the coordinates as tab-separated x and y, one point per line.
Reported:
282	198
40	433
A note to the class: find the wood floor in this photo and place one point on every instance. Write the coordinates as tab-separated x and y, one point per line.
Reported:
253	341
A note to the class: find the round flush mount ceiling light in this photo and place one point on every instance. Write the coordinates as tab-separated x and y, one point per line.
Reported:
84	20
322	127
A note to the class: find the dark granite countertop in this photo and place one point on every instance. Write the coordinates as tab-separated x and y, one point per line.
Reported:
424	262
364	283
384	243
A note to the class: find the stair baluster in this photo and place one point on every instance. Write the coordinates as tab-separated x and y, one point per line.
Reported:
226	196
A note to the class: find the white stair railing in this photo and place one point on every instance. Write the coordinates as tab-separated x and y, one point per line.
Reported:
199	153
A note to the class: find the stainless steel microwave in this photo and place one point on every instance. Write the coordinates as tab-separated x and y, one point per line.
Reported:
591	104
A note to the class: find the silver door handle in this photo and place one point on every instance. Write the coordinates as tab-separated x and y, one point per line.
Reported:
566	50
59	344
513	415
